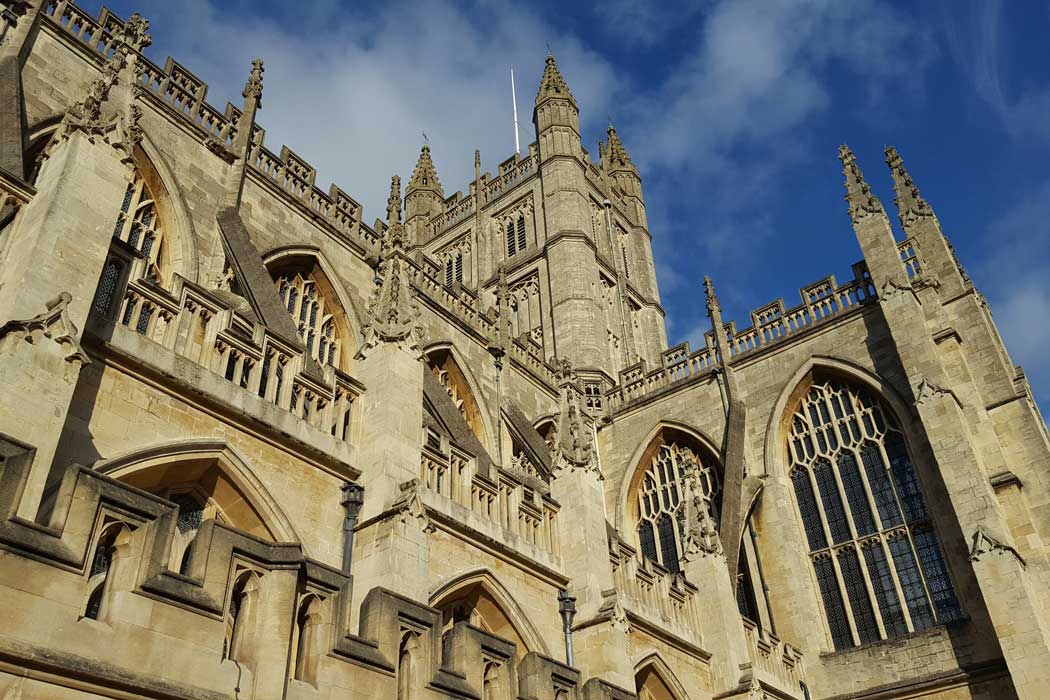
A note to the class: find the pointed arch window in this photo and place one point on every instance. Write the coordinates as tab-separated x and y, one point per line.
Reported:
877	561
139	225
514	233
312	316
661	501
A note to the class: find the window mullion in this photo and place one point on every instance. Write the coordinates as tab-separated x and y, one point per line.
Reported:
847	604
875	602
892	567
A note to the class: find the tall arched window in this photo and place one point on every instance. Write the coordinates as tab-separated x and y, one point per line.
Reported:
876	557
661	501
312	316
139	226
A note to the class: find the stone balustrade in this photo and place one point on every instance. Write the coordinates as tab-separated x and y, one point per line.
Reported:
501	498
178	89
663	599
774	661
514	174
194	323
772	323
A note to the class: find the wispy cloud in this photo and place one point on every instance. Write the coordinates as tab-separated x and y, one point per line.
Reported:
354	95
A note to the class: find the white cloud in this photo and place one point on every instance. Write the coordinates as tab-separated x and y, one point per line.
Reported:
354	96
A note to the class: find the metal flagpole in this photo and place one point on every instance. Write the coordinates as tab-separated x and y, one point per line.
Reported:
514	99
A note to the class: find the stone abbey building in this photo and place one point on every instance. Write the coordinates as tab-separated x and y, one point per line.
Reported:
253	447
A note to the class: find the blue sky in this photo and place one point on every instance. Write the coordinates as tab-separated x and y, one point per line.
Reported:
733	110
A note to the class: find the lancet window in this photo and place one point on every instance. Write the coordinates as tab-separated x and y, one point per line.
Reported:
877	561
661	501
139	226
313	319
515	229
526	316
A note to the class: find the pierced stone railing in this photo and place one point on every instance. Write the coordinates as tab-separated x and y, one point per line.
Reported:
466	307
192	322
772	323
677	363
511	177
664	599
521	511
184	93
455	211
774	661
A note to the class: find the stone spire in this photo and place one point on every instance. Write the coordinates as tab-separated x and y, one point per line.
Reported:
393	202
910	204
425	176
392	315
862	201
552	85
616	155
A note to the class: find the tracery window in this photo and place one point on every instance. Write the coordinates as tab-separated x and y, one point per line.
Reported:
878	564
312	317
661	501
139	226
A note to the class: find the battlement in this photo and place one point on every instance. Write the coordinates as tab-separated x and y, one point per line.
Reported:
176	88
110	544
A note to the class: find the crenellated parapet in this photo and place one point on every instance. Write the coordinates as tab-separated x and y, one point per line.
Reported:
224	621
175	88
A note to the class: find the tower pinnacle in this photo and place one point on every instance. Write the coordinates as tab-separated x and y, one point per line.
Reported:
552	85
617	155
425	176
862	201
254	86
393	202
910	204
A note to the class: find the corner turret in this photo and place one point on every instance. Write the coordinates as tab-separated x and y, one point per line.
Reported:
424	197
556	116
622	172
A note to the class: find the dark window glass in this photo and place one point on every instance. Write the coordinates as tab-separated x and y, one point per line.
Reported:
885	593
855	495
668	545
904	475
833	605
647	540
107	287
807	504
857	592
881	488
832	501
911	583
940	584
144	317
265	378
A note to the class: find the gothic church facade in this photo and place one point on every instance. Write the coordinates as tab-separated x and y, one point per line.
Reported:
255	447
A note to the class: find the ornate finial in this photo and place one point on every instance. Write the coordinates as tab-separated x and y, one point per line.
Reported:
477	158
616	152
254	86
134	33
393	202
553	84
712	299
910	204
862	202
424	176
